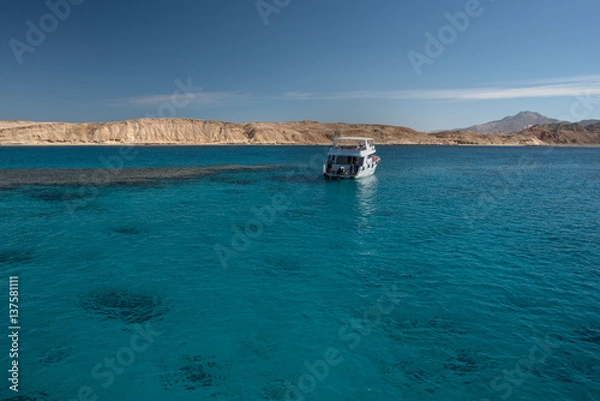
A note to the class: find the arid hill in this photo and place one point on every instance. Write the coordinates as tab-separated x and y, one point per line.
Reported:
565	134
188	131
202	132
516	123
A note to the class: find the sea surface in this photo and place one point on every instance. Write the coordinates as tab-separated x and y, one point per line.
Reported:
455	273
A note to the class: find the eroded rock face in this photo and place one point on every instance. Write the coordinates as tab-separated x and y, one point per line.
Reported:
148	131
186	131
122	304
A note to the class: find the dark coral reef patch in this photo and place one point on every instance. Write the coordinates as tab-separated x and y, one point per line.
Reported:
122	304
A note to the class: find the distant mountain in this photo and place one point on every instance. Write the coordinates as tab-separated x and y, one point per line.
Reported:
514	123
585	123
564	134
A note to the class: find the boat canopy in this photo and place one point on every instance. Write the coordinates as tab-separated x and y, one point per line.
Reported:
352	143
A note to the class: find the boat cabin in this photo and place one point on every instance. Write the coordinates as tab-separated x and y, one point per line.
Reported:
351	158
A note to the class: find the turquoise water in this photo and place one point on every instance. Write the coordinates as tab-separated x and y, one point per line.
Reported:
455	273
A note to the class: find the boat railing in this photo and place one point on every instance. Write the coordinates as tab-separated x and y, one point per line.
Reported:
359	147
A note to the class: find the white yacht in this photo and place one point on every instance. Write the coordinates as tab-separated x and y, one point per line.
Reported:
351	158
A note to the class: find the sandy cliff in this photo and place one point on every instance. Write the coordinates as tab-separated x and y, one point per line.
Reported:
190	131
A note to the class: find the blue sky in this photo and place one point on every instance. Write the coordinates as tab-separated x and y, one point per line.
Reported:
315	60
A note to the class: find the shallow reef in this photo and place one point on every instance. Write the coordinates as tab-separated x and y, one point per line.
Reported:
31	396
122	304
15	257
126	230
197	372
54	356
99	177
273	390
233	179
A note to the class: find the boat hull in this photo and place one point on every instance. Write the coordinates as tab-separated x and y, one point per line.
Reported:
367	172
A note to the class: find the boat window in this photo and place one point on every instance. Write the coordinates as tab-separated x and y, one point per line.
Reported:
343	160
